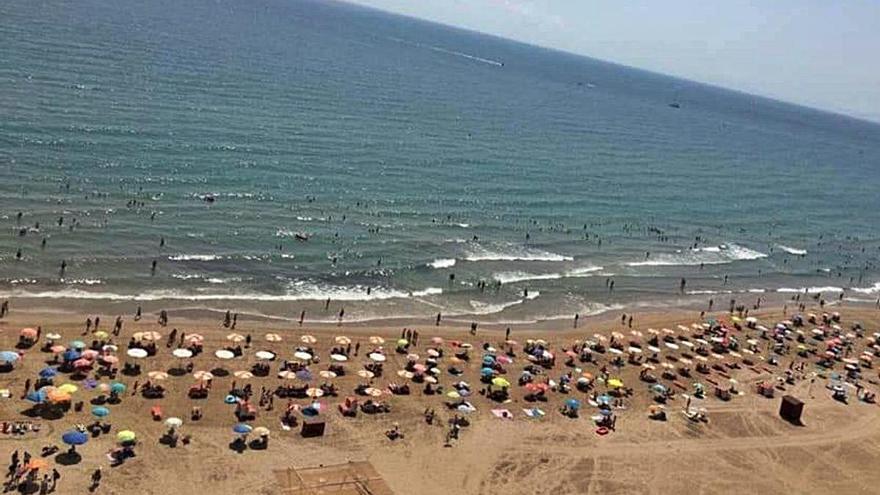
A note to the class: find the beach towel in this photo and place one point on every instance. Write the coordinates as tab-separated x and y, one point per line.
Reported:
502	414
534	412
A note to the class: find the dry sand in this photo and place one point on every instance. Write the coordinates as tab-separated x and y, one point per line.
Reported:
744	448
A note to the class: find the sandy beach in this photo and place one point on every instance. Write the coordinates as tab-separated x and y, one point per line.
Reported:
744	445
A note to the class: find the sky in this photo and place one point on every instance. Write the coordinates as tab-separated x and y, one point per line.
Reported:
819	53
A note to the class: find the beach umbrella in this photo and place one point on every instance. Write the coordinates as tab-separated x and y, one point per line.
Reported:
500	382
194	339
136	353
378	357
314	393
453	394
430	379
157	375
82	364
340	358
101	335
615	382
68	388
343	340
118	388
326	374
57	396
203	376
304	375
573	404
109	359
36	396
302	355
90	354
224	354
28	333
74	438
265	355
70	355
606	412
235	338
437	340
658	388
53	336
243	375
174	422
182	353
308	339
487	372
261	431
412	357
36	465
126	436
614	350
230	399
100	412
434	353
77	344
402	342
376	340
9	357
365	374
242	428
405	374
373	392
57	349
273	337
287	375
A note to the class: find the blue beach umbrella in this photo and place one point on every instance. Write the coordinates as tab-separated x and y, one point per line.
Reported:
48	373
304	375
74	437
606	412
70	355
100	412
9	357
573	403
242	428
77	344
117	387
488	360
37	397
487	372
230	399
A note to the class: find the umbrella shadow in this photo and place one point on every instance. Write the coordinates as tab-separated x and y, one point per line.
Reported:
220	372
177	372
68	458
238	445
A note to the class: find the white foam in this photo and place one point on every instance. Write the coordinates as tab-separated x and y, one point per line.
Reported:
874	289
711	255
510	252
809	290
442	263
791	250
194	257
518	276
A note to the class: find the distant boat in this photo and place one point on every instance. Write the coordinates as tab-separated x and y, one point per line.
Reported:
675	104
301	236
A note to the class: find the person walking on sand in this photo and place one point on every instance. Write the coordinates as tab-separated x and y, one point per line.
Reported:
96	479
227	319
137	314
234	320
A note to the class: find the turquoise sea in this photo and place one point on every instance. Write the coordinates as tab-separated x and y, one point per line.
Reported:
408	153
